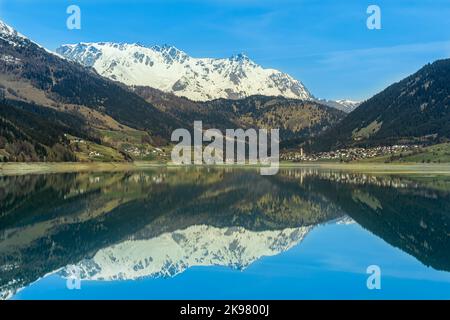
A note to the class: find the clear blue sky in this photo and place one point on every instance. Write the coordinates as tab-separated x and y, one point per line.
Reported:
325	44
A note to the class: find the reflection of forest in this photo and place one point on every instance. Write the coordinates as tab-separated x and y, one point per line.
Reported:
411	213
50	221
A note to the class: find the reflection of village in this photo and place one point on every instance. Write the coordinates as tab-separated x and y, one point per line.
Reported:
294	173
350	178
349	154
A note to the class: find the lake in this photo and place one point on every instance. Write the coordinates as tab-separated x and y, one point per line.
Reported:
222	233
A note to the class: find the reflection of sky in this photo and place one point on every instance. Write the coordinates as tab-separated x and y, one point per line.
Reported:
330	263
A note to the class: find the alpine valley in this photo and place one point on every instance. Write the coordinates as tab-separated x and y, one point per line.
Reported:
56	109
112	184
114	102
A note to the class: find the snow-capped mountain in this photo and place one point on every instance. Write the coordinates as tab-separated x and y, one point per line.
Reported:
349	105
10	35
171	70
172	253
344	105
16	40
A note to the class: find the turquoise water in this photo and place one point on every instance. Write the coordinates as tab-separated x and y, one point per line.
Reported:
215	234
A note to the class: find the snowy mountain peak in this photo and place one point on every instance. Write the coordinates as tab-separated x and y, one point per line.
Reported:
240	57
5	29
348	102
348	105
345	105
171	53
170	69
10	35
168	49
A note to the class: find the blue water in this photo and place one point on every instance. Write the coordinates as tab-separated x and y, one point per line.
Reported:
227	234
329	264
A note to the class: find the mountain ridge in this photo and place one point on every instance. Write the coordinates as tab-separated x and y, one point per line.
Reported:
35	83
172	70
345	105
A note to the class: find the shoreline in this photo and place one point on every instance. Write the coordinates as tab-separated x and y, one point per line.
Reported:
377	168
20	168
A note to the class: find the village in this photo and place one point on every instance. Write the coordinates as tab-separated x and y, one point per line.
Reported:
350	154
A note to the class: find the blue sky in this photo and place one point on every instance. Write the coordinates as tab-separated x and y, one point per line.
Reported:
325	44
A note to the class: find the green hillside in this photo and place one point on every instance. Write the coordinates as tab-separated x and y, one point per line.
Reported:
414	110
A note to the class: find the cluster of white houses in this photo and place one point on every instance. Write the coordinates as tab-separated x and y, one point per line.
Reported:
349	154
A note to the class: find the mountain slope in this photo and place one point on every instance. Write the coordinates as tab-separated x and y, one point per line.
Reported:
171	70
52	109
416	109
30	133
61	81
295	118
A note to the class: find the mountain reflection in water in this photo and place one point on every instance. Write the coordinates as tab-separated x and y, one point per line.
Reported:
158	223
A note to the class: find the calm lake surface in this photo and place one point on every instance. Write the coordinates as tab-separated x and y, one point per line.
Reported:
223	234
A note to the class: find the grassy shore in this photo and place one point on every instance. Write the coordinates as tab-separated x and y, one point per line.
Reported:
439	153
14	168
19	168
